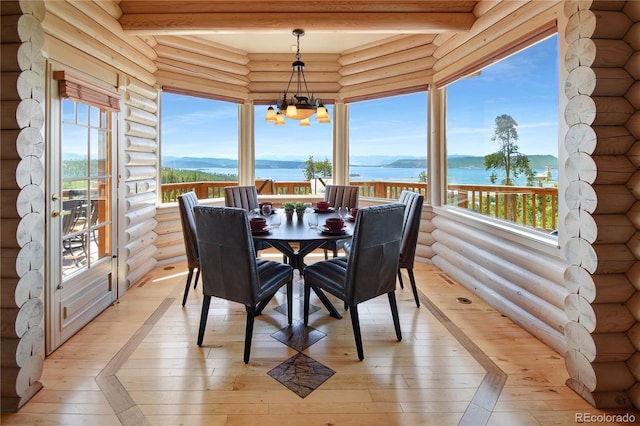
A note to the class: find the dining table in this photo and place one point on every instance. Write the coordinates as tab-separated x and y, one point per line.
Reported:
295	239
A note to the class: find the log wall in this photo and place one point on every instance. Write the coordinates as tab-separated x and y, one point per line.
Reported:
140	159
22	208
603	279
522	282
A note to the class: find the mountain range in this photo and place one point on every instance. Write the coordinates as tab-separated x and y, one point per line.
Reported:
455	161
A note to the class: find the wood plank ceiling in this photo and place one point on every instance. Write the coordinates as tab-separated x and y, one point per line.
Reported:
243	50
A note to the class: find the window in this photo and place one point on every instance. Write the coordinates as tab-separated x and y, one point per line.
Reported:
283	153
388	145
199	146
86	185
502	138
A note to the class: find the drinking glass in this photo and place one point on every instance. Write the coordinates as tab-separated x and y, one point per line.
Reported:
312	220
276	220
343	211
307	207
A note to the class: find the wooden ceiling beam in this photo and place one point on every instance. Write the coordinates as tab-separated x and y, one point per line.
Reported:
283	6
194	23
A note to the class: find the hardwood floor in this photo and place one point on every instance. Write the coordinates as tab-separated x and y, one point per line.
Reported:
138	363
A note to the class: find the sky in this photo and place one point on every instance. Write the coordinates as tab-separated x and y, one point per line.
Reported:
524	86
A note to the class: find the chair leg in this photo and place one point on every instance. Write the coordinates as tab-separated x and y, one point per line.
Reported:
260	307
400	278
413	286
290	302
394	314
326	254
307	296
251	316
186	287
203	318
195	284
355	322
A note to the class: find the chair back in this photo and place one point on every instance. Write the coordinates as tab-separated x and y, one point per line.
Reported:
373	259
228	264
186	203
411	226
342	195
70	219
244	197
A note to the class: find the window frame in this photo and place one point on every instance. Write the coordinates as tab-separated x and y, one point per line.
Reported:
520	232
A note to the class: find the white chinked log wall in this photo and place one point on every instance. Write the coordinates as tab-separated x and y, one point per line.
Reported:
141	185
603	221
22	204
522	283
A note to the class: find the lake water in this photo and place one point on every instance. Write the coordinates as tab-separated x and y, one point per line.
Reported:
456	176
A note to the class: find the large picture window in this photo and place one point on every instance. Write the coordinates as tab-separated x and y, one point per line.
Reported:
199	146
388	145
290	155
502	138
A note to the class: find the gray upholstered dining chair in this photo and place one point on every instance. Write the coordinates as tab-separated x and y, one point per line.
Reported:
244	197
410	229
230	270
369	271
186	203
340	196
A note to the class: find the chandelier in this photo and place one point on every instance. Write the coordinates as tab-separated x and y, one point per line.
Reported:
301	105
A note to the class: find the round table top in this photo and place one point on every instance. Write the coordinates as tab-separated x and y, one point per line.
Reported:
297	231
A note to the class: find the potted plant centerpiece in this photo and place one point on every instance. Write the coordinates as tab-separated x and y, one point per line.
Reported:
300	209
289	208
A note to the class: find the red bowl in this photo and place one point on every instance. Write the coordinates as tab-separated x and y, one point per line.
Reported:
257	223
334	223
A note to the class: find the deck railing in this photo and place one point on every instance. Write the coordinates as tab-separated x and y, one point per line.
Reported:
535	207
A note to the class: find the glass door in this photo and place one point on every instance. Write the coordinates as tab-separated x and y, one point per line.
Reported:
82	243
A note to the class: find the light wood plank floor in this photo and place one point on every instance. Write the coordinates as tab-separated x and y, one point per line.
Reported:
138	363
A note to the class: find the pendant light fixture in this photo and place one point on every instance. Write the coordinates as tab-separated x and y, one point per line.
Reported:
300	105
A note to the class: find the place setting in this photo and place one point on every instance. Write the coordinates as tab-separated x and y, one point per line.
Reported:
324	207
351	216
259	226
334	226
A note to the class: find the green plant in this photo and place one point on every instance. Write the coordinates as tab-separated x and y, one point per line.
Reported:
289	206
300	206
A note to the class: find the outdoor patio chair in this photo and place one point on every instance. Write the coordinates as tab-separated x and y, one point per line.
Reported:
71	223
230	271
369	271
